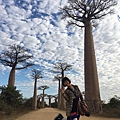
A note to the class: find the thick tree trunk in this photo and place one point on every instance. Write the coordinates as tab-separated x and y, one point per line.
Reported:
11	81
92	93
43	103
38	102
49	101
35	95
62	100
59	95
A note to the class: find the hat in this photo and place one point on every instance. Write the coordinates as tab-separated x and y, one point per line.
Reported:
65	79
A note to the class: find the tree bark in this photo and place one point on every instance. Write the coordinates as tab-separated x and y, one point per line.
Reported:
92	93
35	95
59	94
62	100
11	80
43	104
49	101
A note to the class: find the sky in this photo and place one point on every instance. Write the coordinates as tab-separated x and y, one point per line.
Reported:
37	25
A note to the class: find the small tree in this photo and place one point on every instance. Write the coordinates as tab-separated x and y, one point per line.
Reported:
55	103
17	58
36	74
49	97
114	102
11	96
39	99
44	87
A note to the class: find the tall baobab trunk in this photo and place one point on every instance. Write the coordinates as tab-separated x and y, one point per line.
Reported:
92	93
35	95
38	102
59	95
62	100
49	101
11	80
43	103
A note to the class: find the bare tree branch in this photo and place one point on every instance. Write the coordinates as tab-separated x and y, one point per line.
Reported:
16	55
78	10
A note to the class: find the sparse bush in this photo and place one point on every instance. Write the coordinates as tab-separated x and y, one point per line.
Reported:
28	103
112	108
54	105
114	102
4	108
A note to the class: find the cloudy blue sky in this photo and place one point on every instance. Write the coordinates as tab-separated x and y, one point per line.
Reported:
36	24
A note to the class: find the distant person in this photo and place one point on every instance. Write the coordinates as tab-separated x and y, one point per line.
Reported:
71	95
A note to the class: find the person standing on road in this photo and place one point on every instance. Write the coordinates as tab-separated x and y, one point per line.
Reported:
71	99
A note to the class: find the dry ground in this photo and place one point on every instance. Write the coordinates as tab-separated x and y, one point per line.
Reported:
51	113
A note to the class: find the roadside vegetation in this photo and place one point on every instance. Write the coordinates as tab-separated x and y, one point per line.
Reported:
112	108
13	105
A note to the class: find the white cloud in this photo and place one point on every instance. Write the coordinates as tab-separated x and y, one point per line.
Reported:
48	38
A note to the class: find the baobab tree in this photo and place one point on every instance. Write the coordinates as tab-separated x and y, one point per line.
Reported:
36	74
56	100
49	97
61	68
81	13
58	78
39	100
16	57
44	87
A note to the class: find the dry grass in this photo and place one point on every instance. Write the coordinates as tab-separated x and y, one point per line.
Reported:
14	115
51	113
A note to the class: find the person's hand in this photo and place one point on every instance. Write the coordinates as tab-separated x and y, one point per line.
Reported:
62	91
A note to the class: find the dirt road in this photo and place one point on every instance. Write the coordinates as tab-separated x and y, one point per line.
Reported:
51	113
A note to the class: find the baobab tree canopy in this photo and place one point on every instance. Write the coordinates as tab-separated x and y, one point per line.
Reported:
16	57
36	74
43	87
62	67
79	10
